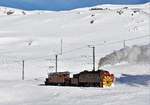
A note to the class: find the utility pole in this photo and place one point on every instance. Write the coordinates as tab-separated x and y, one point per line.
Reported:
23	70
56	62
61	49
93	47
124	43
149	39
93	58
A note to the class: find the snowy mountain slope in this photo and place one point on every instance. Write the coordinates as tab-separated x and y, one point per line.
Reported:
35	37
62	4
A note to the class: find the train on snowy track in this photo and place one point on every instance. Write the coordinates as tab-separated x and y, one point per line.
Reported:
99	78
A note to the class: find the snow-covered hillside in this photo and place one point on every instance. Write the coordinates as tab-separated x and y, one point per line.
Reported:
35	37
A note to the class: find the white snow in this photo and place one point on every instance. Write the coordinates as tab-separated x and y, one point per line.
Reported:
35	37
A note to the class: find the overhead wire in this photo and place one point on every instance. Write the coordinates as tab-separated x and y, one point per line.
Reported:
74	49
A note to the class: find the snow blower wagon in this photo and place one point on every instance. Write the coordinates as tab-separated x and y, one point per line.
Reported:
99	78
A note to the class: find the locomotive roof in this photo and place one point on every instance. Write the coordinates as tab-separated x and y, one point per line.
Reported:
60	73
91	72
98	71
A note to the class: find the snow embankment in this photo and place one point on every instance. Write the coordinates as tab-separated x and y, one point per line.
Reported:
31	93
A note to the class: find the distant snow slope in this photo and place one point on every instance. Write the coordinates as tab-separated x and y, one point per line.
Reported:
62	4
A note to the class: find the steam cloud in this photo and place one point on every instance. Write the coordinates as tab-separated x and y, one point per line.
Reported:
134	54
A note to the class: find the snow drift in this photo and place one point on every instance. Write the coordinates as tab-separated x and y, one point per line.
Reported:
134	54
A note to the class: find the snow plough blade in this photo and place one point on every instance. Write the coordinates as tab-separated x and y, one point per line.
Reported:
107	80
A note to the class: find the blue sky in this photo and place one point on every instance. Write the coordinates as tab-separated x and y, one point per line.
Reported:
57	5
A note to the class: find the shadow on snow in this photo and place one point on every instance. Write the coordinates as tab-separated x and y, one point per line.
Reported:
134	80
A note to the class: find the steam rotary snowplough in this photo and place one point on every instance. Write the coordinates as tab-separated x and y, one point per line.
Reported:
99	78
